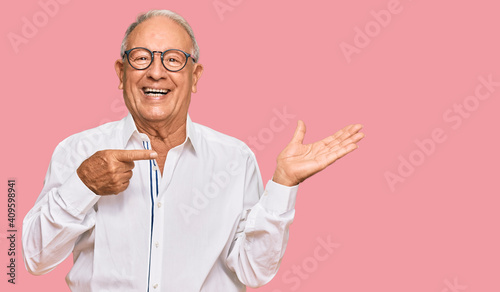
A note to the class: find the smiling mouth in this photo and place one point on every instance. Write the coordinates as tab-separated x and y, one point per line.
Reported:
154	92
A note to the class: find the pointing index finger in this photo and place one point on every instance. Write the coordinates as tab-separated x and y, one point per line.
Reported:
132	155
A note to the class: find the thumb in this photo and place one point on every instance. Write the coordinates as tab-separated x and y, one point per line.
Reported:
300	132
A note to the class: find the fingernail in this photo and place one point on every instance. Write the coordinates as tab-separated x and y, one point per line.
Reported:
153	155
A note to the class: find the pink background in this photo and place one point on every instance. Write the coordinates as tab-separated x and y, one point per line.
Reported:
436	229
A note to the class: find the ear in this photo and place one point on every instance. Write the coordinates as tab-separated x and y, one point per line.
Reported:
198	69
120	72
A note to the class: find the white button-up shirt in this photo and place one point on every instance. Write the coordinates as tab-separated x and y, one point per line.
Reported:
206	224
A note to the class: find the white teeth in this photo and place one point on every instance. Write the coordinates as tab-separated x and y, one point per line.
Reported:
156	90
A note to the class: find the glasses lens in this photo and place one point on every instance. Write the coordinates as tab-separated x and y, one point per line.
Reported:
139	58
174	60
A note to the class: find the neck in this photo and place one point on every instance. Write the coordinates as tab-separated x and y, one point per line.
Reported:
171	132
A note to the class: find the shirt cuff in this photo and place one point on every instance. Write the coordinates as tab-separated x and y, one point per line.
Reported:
278	198
77	196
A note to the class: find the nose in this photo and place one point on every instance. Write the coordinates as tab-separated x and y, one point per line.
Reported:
156	70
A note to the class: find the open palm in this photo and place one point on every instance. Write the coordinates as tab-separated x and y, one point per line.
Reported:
298	161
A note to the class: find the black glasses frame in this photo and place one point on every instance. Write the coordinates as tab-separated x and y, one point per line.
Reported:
127	52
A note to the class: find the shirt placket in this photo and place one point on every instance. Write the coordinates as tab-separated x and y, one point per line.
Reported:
153	179
159	186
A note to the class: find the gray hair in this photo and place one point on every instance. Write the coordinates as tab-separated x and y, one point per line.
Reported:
166	13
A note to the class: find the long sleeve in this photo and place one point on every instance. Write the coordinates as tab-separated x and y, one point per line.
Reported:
262	233
63	211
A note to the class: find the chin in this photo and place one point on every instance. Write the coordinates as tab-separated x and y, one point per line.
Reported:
156	116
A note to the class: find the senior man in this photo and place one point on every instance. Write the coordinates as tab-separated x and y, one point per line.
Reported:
155	202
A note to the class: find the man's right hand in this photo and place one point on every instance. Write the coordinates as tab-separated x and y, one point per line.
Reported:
108	172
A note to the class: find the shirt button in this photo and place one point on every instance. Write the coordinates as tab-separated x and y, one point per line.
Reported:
157	244
155	168
155	286
159	204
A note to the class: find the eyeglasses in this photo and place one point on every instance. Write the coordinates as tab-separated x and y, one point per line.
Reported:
173	60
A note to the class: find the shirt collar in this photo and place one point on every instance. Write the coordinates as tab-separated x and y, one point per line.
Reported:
192	134
129	129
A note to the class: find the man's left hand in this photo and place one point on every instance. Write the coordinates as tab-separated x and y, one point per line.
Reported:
298	161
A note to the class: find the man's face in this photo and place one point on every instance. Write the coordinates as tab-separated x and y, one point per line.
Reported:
158	34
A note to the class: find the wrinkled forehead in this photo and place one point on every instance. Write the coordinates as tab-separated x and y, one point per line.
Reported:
160	33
